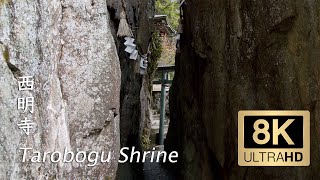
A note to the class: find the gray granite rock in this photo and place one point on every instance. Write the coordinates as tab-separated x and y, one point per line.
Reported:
68	47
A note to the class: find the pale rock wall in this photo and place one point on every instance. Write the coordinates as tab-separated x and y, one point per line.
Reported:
69	49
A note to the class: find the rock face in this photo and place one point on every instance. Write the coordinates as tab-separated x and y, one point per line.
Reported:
68	47
238	55
135	92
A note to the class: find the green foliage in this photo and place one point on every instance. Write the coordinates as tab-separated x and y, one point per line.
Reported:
3	2
108	178
168	51
6	55
171	9
156	51
145	140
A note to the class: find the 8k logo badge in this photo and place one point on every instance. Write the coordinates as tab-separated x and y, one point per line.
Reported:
274	138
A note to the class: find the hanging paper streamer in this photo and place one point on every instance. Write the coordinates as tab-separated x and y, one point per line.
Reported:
144	62
134	55
129	41
131	48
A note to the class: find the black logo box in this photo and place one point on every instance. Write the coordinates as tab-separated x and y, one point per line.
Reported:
294	130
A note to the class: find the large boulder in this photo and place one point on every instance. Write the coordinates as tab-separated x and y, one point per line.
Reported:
68	47
239	55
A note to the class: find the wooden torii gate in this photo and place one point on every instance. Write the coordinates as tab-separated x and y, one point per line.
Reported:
164	70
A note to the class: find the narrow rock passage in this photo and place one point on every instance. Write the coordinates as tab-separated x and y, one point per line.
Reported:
156	171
